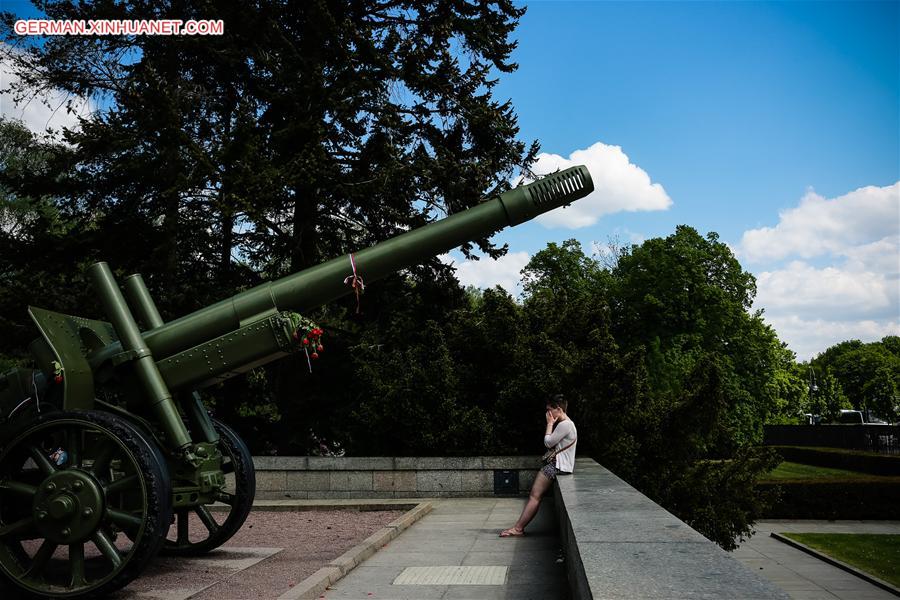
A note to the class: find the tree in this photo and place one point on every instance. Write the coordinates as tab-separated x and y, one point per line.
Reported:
868	374
667	370
307	130
321	125
684	299
789	388
34	230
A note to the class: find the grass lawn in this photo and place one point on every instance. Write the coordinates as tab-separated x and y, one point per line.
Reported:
790	470
876	554
795	471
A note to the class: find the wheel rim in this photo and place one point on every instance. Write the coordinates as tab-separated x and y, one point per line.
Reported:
200	529
61	515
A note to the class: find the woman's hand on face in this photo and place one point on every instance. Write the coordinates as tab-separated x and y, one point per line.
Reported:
550	418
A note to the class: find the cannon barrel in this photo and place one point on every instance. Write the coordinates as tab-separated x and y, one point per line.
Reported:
323	283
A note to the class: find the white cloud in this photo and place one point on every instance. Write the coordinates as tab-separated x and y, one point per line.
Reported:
619	186
487	272
830	292
811	337
882	256
44	110
820	226
843	278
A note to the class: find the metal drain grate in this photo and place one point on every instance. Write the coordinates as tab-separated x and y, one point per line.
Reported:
452	576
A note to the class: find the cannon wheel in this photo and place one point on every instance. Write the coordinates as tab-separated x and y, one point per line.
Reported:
197	531
60	516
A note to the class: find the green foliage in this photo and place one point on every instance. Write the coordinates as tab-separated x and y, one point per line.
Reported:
411	404
868	374
685	299
829	399
34	230
720	498
789	389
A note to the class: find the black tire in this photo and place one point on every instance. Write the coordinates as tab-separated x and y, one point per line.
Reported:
237	461
136	470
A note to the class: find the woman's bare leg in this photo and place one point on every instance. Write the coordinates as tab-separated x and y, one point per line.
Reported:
541	484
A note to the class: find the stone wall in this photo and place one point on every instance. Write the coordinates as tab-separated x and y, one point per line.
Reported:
315	477
621	544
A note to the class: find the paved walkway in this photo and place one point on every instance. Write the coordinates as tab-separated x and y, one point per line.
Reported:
803	576
463	533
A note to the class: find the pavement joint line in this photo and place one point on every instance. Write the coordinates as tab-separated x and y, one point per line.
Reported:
837	563
314	585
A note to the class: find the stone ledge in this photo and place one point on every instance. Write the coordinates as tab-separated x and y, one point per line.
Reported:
307	477
621	544
388	463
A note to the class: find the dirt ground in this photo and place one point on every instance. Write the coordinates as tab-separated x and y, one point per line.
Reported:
273	552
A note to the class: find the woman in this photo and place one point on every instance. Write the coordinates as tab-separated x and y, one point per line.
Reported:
561	435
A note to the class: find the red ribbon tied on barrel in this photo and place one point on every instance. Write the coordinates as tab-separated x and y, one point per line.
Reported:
355	282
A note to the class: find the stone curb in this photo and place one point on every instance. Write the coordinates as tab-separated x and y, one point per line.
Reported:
318	504
837	563
318	582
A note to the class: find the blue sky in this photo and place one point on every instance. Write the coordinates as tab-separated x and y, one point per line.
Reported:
739	110
776	125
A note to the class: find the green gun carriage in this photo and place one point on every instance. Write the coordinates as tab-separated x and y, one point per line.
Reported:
107	454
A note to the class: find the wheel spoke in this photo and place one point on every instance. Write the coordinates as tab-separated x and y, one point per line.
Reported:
61	524
228	467
225	498
124	520
17	487
183	524
102	460
41	460
121	485
76	560
20	526
41	558
74	446
208	521
107	548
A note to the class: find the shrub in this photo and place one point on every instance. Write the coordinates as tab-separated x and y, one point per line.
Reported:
834	499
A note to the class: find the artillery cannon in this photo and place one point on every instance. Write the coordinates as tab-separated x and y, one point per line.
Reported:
107	454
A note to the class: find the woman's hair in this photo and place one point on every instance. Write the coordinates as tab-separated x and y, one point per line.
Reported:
557	401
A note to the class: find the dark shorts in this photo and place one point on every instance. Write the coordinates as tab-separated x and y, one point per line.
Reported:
550	471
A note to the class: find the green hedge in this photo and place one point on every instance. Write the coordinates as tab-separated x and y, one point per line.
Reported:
837	458
831	499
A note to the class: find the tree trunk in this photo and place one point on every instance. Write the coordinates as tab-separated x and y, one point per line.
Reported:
303	251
